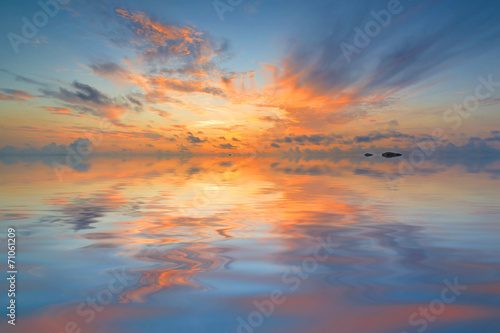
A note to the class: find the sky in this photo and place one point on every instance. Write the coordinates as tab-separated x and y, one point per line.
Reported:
235	76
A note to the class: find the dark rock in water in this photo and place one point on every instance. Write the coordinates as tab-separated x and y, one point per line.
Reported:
368	154
389	154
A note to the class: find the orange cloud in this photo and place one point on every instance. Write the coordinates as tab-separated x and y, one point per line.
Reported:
58	111
161	37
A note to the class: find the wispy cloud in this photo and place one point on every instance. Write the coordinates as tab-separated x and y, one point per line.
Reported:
15	95
375	136
87	99
317	87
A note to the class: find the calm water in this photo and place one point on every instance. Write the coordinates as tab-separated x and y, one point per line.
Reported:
244	245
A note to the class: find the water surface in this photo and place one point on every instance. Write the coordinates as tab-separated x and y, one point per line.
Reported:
238	244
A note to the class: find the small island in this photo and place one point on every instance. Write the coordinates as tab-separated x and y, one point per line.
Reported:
389	154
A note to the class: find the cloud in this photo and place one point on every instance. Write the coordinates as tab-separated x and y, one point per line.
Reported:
475	155
73	155
51	149
316	139
271	119
375	136
194	139
275	145
120	75
162	83
163	41
316	86
172	58
393	123
226	146
23	79
194	170
84	93
107	68
134	100
58	110
87	99
15	95
495	138
161	113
